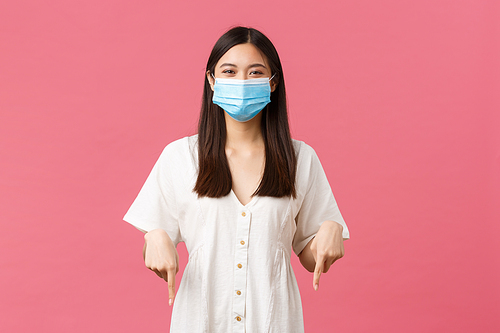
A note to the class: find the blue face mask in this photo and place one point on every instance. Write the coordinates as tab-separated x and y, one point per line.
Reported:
242	99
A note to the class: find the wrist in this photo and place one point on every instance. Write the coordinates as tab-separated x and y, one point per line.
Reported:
153	233
335	225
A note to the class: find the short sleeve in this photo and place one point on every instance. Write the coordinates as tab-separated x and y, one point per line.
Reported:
155	205
318	204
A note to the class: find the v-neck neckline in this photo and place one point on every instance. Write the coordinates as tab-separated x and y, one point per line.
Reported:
250	203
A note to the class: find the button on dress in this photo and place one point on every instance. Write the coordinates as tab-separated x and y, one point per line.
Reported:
238	277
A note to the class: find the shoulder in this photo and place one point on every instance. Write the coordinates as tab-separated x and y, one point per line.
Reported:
180	150
178	145
303	151
308	164
181	146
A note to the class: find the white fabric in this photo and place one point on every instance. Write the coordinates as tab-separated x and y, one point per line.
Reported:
221	234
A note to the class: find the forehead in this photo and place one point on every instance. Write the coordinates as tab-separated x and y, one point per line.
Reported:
242	55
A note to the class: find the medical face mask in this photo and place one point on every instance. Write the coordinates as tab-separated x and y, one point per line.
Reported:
242	99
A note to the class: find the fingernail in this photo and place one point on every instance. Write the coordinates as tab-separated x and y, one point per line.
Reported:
170	301
316	286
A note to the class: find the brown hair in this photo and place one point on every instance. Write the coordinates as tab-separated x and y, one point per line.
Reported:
214	176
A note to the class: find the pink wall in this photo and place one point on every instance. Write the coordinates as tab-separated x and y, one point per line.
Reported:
399	99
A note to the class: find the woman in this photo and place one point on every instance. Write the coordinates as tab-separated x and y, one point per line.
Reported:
240	194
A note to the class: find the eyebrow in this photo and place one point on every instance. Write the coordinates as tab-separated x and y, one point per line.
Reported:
252	65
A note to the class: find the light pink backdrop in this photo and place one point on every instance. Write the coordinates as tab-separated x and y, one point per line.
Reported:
399	98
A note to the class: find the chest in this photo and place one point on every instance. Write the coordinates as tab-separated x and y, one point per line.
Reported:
246	173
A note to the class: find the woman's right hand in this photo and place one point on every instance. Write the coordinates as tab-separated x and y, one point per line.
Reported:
161	257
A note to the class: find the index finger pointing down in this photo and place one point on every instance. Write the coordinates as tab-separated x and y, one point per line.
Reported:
317	273
171	286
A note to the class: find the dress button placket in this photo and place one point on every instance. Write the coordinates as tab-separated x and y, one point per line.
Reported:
240	269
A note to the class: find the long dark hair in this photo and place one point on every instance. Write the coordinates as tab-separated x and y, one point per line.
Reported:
214	176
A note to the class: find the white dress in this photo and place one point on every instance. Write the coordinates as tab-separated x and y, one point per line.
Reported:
238	277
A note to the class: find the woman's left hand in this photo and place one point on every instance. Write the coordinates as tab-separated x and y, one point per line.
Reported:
326	247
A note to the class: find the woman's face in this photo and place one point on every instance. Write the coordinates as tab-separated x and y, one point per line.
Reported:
242	62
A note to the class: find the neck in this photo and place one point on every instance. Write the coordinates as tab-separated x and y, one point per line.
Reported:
243	134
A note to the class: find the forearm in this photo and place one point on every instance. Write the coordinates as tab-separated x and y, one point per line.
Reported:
306	257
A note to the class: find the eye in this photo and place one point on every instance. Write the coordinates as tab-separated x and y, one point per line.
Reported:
228	71
256	73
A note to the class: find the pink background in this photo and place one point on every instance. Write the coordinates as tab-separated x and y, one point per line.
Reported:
399	99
